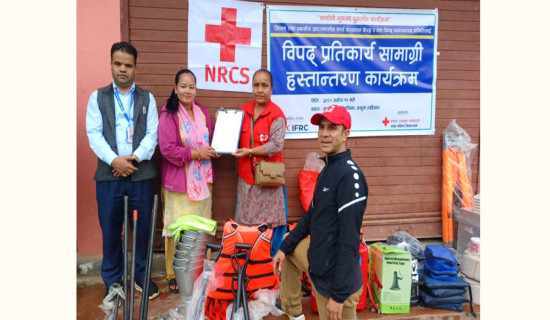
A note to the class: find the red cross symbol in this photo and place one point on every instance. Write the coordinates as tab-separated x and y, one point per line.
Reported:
385	122
228	34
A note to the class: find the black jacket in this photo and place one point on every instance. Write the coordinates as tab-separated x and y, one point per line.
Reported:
334	219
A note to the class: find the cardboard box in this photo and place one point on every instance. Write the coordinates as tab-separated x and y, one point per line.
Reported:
468	226
390	278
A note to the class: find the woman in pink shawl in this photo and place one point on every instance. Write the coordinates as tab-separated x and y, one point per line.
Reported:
184	135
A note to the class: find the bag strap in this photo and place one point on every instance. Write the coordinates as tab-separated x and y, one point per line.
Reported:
471	306
252	132
252	144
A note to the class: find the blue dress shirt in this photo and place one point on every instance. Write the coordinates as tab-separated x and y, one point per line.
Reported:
94	128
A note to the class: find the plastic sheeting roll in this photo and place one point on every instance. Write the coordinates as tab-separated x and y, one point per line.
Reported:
471	265
476	290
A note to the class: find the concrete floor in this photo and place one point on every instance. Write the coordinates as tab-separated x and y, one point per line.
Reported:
90	291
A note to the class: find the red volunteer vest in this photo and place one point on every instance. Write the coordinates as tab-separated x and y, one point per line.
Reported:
261	135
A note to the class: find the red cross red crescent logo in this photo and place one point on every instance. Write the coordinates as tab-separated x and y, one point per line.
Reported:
329	109
228	35
264	137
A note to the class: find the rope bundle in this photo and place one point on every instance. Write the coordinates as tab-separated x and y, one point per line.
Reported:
476	289
471	264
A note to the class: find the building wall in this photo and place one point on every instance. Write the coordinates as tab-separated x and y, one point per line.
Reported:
403	173
98	27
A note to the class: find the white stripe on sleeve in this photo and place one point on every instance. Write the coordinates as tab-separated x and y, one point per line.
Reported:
351	202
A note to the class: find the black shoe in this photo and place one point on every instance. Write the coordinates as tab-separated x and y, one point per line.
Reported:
153	289
173	286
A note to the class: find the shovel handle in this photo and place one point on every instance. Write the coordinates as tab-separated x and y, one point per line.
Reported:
213	246
244	246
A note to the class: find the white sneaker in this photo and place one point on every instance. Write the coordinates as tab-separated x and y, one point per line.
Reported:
301	316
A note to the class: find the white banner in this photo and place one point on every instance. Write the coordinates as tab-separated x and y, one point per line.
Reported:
380	64
225	43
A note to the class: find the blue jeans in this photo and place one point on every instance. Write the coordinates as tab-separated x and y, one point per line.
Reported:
279	231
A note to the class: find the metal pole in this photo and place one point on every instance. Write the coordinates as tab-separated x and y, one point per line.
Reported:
133	273
199	310
243	278
149	263
125	280
115	313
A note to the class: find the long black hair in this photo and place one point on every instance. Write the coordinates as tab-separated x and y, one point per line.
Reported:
172	104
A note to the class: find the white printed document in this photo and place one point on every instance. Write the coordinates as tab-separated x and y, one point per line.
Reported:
228	131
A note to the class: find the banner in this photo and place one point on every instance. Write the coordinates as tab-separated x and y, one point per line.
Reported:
378	63
225	43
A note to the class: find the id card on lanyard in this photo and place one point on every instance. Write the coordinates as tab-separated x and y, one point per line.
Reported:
130	128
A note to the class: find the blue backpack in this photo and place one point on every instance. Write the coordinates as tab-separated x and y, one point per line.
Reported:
440	263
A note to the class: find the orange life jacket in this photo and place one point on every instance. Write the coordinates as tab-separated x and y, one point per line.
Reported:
216	309
260	264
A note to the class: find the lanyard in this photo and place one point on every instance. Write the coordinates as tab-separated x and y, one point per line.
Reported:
122	107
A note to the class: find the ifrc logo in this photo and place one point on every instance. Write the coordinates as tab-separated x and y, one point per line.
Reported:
297	127
228	34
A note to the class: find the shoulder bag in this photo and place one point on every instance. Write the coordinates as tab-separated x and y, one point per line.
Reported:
267	173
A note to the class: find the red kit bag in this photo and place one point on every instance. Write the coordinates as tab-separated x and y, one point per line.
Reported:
307	181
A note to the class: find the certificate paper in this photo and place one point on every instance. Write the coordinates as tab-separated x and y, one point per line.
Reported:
228	131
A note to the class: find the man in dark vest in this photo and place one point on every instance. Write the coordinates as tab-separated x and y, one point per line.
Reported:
121	123
333	221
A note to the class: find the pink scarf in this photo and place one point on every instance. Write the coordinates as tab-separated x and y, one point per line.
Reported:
195	136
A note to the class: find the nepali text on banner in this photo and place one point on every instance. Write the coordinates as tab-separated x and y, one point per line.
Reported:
378	63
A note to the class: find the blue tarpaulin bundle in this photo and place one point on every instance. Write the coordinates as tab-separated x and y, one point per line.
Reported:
444	294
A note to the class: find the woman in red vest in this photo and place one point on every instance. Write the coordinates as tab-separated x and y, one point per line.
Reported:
257	204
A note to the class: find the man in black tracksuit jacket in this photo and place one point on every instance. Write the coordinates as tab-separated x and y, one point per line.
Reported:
333	221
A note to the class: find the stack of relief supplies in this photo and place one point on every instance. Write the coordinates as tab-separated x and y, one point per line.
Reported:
443	288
